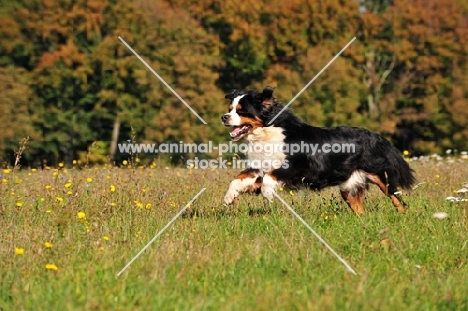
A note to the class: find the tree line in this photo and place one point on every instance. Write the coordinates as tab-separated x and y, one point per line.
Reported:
68	81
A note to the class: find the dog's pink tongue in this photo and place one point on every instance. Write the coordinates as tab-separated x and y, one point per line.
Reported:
236	131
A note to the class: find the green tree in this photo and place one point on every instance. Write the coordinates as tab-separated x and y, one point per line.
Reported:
284	44
15	119
91	87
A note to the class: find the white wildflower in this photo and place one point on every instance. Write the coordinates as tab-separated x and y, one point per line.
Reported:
440	215
418	185
455	199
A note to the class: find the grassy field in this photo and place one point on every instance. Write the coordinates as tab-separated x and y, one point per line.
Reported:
66	233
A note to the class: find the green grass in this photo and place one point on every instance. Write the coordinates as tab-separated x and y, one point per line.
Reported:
253	256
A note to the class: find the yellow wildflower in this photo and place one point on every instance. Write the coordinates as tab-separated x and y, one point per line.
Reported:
148	206
74	162
106	238
81	215
61	164
124	162
48	187
19	251
89	180
68	185
48	245
51	266
405	152
112	188
59	199
6	171
19	204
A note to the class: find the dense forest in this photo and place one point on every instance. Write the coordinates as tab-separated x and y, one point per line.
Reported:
68	81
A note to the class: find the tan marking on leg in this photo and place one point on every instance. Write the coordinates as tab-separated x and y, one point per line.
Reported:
396	202
376	180
252	188
354	201
249	182
256	186
243	176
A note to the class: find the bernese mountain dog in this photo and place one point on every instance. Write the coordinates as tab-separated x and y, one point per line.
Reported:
311	156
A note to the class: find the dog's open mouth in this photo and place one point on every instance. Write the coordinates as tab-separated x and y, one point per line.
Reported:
239	131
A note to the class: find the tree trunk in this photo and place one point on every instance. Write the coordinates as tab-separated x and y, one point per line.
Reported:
115	138
373	108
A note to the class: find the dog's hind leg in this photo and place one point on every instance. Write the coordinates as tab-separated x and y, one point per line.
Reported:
249	181
352	191
389	190
354	200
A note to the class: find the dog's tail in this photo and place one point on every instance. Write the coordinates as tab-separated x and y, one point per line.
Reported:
404	174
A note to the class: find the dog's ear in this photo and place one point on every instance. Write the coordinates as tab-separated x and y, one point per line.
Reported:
231	95
267	96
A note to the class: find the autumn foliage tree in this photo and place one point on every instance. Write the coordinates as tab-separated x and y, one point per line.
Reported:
429	42
69	81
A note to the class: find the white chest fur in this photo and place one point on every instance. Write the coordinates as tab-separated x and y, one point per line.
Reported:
265	148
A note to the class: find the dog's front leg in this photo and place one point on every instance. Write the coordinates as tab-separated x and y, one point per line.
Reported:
249	180
270	184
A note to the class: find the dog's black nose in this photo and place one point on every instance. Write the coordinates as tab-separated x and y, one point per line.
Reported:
225	117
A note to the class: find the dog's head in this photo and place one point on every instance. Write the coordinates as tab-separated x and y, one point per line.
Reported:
246	111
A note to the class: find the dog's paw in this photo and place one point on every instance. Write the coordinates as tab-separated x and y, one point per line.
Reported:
268	194
269	187
233	192
230	197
